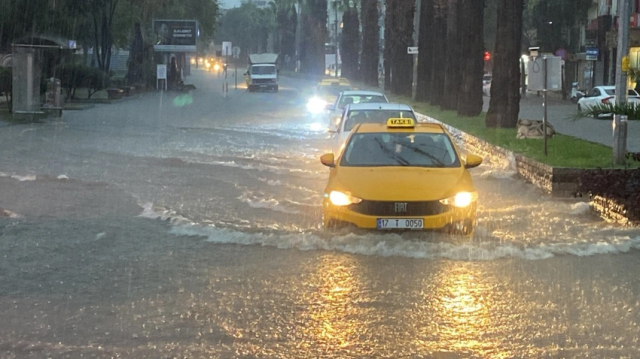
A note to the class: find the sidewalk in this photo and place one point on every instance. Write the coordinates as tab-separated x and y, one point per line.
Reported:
560	114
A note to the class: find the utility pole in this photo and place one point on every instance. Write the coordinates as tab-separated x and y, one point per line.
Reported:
336	34
620	121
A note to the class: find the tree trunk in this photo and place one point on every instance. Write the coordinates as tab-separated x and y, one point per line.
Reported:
387	46
439	51
425	56
370	43
504	105
471	27
314	38
401	37
454	52
350	44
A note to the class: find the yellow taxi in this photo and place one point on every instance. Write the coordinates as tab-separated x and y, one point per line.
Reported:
401	175
327	92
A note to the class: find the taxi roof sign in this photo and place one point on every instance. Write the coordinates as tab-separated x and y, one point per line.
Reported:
400	122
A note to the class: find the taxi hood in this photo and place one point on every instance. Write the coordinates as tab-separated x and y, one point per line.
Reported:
402	183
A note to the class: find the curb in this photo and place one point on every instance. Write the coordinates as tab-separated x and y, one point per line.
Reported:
557	181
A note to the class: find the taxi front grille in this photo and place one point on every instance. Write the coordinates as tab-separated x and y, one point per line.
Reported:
398	209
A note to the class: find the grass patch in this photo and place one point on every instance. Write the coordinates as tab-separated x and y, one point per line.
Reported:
563	150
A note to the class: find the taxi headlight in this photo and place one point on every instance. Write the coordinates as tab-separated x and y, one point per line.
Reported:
316	105
461	199
342	199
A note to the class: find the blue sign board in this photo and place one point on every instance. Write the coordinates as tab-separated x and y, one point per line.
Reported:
591	53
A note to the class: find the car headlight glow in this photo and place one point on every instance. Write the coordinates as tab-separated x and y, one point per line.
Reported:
461	199
216	67
342	199
316	105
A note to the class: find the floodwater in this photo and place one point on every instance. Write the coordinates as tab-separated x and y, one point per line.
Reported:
188	225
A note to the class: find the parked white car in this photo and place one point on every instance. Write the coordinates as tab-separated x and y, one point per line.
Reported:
351	97
358	113
486	84
603	95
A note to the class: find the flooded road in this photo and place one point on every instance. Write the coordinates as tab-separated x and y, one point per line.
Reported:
188	225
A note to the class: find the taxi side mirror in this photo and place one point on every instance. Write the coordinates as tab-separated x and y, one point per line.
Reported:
331	107
472	161
328	160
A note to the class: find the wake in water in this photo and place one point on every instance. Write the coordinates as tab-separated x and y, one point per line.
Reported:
430	245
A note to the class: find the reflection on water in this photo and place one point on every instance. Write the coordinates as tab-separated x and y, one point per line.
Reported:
333	318
465	311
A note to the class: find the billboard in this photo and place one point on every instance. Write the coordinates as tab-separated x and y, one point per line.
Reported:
175	35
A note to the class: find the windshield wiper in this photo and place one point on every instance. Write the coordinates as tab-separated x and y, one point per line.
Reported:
436	161
396	157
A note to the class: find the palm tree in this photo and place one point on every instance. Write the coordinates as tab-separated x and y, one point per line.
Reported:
370	42
399	19
504	105
454	52
313	36
439	50
425	57
471	21
350	43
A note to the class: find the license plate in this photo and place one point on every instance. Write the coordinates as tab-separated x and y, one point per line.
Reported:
400	223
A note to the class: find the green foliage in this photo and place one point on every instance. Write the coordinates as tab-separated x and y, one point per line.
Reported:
248	27
631	110
551	19
80	76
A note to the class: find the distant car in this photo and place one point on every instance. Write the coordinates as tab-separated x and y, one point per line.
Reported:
348	97
326	93
604	95
486	84
358	113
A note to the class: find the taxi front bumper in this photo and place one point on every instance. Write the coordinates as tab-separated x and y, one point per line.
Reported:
452	219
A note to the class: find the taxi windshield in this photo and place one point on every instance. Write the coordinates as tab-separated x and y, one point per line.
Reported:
349	99
374	116
400	149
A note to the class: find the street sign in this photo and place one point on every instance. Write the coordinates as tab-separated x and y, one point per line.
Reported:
412	50
161	72
236	52
591	53
226	48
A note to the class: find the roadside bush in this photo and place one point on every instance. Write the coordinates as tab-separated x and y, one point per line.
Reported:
73	77
621	186
6	78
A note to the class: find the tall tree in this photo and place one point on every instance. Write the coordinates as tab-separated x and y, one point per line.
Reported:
504	105
439	51
369	59
401	64
454	52
388	51
350	43
314	35
553	19
425	56
248	27
471	63
101	13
